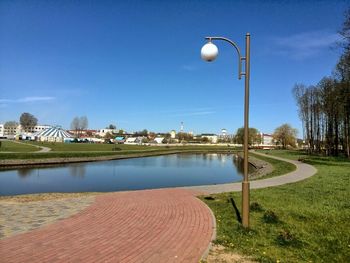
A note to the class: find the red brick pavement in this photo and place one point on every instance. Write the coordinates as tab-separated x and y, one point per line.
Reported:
167	225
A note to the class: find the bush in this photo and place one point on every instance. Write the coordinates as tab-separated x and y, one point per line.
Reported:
256	207
286	238
270	217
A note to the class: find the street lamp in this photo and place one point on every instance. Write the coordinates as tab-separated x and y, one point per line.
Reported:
209	53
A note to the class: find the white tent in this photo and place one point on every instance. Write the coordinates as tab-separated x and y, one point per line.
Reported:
53	134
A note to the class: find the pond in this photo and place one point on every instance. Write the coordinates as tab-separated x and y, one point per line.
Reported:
127	174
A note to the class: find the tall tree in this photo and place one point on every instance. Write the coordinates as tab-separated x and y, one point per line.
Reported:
253	136
27	120
75	125
83	123
285	135
324	109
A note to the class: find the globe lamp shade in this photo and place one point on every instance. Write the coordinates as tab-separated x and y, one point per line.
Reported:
209	52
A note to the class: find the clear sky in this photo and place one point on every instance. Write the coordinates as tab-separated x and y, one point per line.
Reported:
137	64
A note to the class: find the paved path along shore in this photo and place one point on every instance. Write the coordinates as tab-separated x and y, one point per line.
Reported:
302	172
164	225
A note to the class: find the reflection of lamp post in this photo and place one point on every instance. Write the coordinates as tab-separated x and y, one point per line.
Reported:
209	52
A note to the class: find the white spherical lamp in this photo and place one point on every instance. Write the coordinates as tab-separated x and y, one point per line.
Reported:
209	52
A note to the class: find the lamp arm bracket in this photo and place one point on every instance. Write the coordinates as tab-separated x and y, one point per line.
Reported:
240	58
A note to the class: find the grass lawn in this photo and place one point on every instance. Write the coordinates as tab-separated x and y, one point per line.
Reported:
280	167
95	150
81	147
8	146
307	221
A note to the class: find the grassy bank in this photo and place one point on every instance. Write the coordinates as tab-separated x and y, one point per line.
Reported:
279	167
118	150
302	222
9	146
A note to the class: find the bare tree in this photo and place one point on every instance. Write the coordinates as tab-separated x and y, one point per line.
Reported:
83	123
75	125
324	109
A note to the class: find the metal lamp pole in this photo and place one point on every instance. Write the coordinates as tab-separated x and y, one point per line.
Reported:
209	52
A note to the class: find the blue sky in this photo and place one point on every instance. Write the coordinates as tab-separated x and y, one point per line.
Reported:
137	64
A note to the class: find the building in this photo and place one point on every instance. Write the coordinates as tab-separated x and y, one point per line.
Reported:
173	134
213	138
53	134
1	130
134	140
267	141
34	129
83	133
225	137
158	140
103	132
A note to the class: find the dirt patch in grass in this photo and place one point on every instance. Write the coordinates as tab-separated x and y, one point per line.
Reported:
219	254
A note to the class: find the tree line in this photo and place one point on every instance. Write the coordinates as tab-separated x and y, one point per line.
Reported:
324	108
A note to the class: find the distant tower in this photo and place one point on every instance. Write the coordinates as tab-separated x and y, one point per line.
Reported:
223	132
182	127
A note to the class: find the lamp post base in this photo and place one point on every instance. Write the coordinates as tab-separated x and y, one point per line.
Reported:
245	204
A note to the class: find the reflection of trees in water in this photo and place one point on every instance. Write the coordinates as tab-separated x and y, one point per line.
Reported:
222	157
24	172
184	156
77	171
240	164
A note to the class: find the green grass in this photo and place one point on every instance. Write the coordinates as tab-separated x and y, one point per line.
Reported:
280	167
313	217
123	150
81	147
9	146
289	154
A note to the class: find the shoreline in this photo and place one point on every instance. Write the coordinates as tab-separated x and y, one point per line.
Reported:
9	164
261	168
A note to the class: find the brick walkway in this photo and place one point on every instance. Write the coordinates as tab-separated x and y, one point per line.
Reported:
169	225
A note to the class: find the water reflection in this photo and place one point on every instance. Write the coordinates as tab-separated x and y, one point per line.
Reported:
128	174
24	172
77	170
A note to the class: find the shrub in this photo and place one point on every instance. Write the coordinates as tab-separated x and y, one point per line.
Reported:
270	217
256	207
286	238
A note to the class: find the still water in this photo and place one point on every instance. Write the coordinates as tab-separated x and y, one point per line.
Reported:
128	174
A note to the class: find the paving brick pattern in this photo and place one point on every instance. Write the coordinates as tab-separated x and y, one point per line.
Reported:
167	225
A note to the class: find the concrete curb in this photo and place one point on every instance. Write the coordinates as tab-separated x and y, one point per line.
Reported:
213	237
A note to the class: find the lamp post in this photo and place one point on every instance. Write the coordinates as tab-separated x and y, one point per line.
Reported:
209	53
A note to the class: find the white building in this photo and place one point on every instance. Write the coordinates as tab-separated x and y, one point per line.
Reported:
213	138
134	140
1	130
53	134
34	129
267	140
159	139
103	132
10	131
173	134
